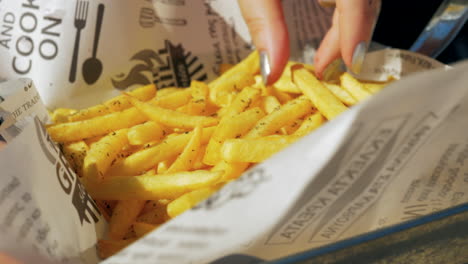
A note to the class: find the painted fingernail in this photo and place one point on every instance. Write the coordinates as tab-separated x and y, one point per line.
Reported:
358	57
265	68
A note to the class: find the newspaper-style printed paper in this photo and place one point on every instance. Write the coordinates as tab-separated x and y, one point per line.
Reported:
81	52
398	156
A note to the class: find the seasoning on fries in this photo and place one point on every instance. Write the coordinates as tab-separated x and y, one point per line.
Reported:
148	155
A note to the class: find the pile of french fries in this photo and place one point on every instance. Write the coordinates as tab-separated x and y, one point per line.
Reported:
148	155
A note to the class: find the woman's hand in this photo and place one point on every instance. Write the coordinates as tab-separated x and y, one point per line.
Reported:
348	38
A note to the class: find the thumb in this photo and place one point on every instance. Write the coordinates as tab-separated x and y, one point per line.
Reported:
268	30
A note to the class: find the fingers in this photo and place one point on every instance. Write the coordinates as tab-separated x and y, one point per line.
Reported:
357	20
329	49
350	34
268	30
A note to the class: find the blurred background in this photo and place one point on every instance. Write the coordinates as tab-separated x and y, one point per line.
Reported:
401	22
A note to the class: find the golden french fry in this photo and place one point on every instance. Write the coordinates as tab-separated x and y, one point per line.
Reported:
168	90
115	104
341	94
230	127
374	87
354	87
324	100
172	118
152	204
242	101
274	121
197	105
285	83
188	200
157	214
232	170
167	186
142	228
123	216
291	127
75	154
61	115
186	159
107	248
149	131
97	126
270	104
148	158
282	97
309	124
102	153
198	163
241	75
106	208
254	150
172	100
163	166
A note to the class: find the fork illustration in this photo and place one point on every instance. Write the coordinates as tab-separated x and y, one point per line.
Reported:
81	14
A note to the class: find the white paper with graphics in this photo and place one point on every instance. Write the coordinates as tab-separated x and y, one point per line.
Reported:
400	155
80	52
44	210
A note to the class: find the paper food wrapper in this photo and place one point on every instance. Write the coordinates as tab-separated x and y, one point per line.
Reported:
400	155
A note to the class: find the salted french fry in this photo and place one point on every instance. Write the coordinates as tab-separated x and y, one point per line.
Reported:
198	163
285	83
188	200
185	160
101	154
123	216
197	105
291	126
230	127
242	101
149	131
174	99
167	186
142	228
374	87
106	208
168	90
270	104
241	75
324	100
115	104
91	141
75	153
282	97
254	150
309	124
354	87
224	67
61	115
163	166
97	126
172	118
341	94
107	248
231	170
155	215
273	122
152	204
148	158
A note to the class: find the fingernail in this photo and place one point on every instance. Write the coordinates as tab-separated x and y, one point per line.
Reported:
265	68
358	57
